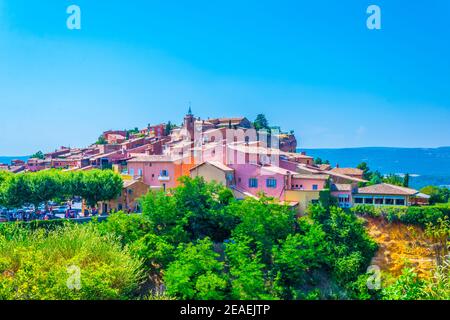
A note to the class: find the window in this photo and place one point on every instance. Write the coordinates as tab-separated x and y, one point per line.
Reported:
358	200
239	180
315	187
400	202
368	200
389	201
271	183
164	173
253	183
140	172
378	201
153	175
131	172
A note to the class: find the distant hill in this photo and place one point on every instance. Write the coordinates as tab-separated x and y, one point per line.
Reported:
7	160
426	165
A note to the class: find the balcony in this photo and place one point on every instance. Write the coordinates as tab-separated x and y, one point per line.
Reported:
164	178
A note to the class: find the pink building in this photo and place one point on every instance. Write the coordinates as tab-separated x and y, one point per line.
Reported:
35	165
159	171
343	193
255	179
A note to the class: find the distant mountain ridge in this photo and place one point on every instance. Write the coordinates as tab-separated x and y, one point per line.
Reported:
426	165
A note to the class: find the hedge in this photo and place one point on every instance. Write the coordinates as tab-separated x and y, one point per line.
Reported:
408	215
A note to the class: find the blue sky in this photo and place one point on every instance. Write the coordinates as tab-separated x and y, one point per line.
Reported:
310	66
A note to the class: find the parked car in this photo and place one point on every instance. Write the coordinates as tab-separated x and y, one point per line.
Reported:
4	218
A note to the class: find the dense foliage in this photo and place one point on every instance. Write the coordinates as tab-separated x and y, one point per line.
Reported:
202	244
40	187
38	155
41	265
376	177
198	242
437	194
408	215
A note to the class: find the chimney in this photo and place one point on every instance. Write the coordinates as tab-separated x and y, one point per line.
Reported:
303	153
337	165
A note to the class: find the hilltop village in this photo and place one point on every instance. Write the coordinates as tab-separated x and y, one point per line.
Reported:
231	151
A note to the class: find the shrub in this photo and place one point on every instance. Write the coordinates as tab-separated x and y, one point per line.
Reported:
408	215
196	273
41	265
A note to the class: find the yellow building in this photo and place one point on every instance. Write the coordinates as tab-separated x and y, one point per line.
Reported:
128	199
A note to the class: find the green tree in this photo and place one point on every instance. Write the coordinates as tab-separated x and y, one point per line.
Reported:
246	271
100	185
38	155
437	194
127	228
351	248
261	122
165	218
17	192
155	251
204	207
196	273
375	178
406	180
264	222
168	129
44	186
318	161
101	140
393	179
367	175
297	256
5	176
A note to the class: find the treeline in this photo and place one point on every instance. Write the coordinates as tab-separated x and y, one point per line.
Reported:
41	187
375	177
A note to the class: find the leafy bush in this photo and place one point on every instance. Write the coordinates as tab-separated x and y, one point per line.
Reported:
247	272
351	248
264	222
40	265
296	256
196	273
409	215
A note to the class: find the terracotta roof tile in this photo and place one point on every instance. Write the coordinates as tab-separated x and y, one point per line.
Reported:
389	189
348	171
